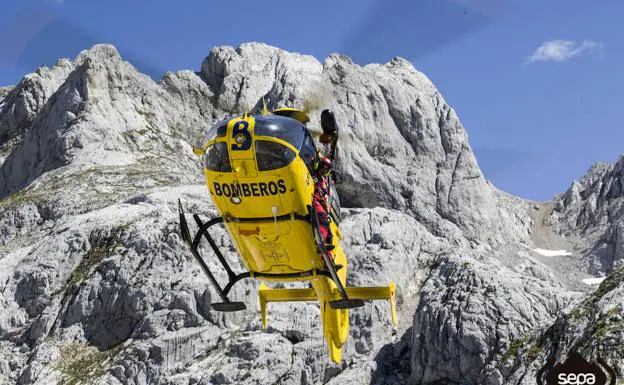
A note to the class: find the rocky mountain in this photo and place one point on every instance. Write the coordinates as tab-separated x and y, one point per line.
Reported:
592	209
96	285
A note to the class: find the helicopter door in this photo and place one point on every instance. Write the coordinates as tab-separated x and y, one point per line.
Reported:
272	158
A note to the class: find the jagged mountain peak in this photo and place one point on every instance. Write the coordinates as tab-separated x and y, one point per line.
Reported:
99	52
401	61
241	76
599	188
591	210
341	64
22	103
103	112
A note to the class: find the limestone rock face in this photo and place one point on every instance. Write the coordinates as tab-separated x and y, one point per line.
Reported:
471	309
592	327
592	210
4	91
97	286
20	104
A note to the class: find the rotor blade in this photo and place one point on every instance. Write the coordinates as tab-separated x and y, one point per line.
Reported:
413	29
22	30
384	31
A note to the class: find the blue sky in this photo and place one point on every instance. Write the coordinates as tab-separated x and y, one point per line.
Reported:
534	125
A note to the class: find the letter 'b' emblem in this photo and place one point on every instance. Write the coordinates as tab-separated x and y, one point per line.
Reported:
576	371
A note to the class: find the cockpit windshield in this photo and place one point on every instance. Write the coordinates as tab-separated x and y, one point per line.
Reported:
218	130
280	127
269	155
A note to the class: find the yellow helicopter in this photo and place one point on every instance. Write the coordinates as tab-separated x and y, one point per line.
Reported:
258	168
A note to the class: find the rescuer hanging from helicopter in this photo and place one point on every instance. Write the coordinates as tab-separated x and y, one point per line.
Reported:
322	172
320	200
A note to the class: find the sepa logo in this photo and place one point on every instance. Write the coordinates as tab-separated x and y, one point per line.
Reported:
576	371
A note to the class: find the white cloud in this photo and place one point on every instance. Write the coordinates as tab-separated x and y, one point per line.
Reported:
562	50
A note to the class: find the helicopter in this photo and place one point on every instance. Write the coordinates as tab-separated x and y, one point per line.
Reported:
258	169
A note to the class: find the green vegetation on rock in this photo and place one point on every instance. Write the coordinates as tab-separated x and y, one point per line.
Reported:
105	247
81	363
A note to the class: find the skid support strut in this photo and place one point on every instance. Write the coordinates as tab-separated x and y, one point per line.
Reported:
226	305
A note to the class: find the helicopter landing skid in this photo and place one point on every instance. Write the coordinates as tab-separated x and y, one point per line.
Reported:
228	306
346	303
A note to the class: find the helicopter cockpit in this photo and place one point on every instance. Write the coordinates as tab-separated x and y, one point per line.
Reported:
292	137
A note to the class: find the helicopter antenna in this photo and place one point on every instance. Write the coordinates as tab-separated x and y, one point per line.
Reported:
265	111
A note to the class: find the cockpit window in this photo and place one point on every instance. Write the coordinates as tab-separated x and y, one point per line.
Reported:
217	158
271	155
308	151
280	127
218	130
